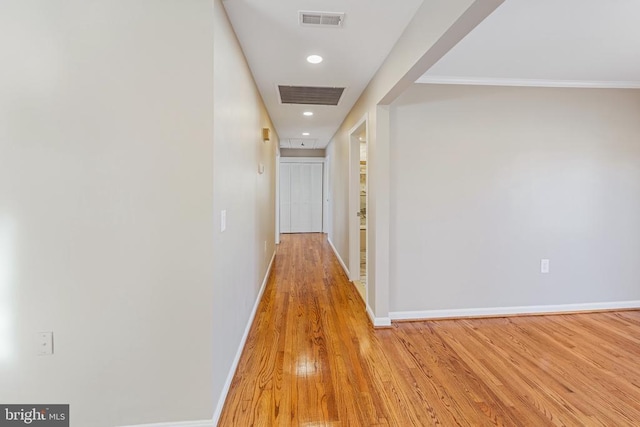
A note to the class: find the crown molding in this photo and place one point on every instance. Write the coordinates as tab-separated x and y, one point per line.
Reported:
482	81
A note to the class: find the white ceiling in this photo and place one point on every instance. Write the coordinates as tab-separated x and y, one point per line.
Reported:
549	42
276	47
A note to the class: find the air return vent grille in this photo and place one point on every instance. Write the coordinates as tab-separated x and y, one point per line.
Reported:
328	19
298	143
310	95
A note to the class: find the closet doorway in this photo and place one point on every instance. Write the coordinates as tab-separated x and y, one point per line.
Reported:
301	195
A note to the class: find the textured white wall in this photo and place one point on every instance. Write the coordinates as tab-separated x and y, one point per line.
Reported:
240	258
486	181
106	207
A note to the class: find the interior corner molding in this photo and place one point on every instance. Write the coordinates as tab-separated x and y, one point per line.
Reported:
513	311
486	81
378	322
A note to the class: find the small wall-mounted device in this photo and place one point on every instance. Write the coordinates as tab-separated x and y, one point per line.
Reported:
45	343
260	168
544	266
266	134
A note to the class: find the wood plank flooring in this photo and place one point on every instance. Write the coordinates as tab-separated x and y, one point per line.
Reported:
312	359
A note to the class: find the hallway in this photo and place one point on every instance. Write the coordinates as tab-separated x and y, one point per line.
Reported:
313	359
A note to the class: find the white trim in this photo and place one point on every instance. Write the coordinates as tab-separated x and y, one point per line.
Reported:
354	197
378	322
335	251
203	423
302	159
372	316
501	311
482	81
325	195
277	198
236	360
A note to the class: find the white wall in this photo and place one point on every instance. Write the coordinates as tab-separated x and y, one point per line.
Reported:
240	258
337	153
106	207
435	28
486	181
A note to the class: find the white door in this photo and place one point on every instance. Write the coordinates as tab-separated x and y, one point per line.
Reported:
301	197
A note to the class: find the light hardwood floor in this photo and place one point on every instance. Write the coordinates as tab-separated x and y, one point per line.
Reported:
313	359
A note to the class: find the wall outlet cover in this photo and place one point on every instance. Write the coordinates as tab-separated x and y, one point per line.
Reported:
544	266
45	343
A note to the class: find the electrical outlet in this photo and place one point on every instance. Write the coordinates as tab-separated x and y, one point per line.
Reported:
45	343
544	266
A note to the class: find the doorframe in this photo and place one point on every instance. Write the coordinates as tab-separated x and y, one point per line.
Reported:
354	201
278	197
326	218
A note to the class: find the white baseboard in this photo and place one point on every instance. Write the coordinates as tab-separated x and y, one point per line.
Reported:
509	311
335	251
204	423
236	360
372	316
378	322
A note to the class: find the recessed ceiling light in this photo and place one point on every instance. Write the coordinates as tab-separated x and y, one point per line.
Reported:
314	59
305	133
308	113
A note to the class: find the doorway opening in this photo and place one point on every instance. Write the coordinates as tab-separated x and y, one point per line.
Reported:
358	203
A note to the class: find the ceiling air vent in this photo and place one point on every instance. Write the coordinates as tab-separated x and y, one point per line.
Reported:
298	143
325	19
310	95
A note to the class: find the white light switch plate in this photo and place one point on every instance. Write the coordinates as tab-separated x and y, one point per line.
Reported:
223	221
544	266
45	343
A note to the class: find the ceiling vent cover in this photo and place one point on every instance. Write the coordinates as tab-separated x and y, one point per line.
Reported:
298	143
325	19
310	95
